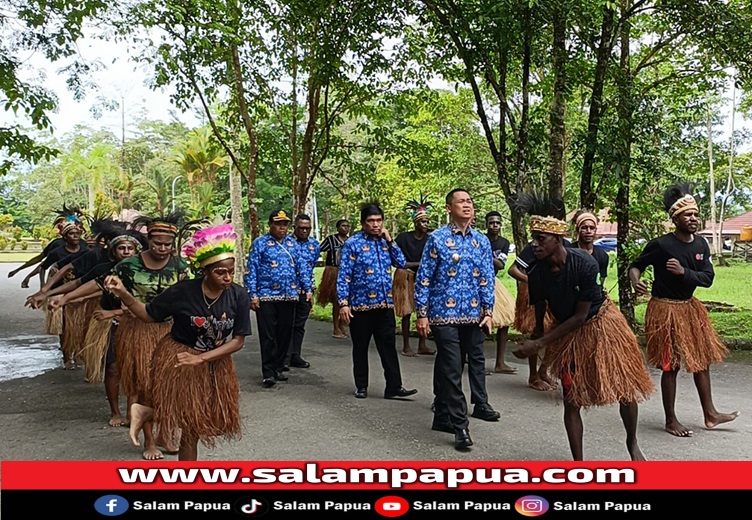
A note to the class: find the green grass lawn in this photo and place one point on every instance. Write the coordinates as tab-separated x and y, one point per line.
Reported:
16	256
732	285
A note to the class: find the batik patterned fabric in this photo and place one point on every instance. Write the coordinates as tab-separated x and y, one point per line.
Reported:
146	284
455	281
364	280
275	271
308	252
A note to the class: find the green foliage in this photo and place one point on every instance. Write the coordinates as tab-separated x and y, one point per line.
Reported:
6	221
24	245
52	29
3	243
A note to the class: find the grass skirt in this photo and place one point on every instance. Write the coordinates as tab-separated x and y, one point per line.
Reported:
203	401
134	346
53	320
403	289
76	316
601	362
95	349
504	306
679	332
327	290
524	313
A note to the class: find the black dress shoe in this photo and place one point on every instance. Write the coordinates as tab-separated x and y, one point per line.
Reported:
442	426
279	376
361	393
269	382
285	368
462	439
485	412
300	363
402	392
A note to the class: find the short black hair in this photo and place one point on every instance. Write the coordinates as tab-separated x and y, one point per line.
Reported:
302	216
341	221
450	195
492	214
369	209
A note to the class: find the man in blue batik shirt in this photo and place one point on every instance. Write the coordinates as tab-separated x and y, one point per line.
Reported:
308	253
275	277
364	294
454	296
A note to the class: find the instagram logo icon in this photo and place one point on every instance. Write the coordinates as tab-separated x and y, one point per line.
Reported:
531	505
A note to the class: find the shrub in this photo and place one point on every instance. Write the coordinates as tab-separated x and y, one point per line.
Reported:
24	245
3	242
17	232
13	243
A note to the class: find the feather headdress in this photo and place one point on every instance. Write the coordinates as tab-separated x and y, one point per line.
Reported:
678	198
169	223
69	218
419	208
546	213
210	245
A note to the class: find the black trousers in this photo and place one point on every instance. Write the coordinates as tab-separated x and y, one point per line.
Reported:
379	324
274	321
302	312
454	344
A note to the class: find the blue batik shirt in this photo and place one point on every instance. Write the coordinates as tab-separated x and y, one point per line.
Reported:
308	253
364	280
275	272
454	284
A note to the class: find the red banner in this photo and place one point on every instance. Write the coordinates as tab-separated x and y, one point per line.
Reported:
375	475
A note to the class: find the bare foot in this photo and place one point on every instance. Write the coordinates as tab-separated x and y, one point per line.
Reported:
116	420
152	454
505	369
340	335
408	353
712	422
540	385
69	365
169	443
678	429
426	352
139	415
635	453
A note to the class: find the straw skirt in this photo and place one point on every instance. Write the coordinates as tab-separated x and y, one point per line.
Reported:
600	363
524	313
76	317
134	346
403	290
327	290
680	333
53	320
95	349
504	306
202	401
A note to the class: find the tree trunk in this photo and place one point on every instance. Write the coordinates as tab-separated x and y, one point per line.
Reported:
300	182
624	158
238	222
558	104
587	194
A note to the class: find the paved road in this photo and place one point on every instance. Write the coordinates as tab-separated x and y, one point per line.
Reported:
314	416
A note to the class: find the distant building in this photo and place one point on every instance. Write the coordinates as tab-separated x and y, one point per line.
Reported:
732	228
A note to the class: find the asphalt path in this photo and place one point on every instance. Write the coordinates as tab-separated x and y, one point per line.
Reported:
314	415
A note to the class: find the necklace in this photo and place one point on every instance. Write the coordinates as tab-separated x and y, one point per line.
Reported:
209	305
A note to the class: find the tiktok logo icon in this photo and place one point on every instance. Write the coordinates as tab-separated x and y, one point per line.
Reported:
251	506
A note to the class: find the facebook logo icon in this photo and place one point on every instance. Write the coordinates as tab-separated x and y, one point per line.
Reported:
111	505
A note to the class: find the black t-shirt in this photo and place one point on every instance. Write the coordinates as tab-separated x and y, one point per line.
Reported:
576	282
411	247
87	261
601	257
60	253
526	259
52	245
693	256
196	325
500	250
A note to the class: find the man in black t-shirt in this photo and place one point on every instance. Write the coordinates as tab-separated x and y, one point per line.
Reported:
590	348
412	244
678	329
